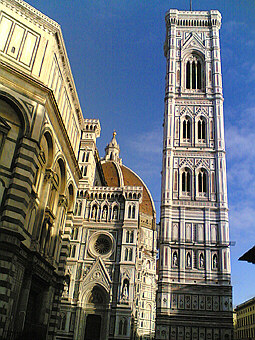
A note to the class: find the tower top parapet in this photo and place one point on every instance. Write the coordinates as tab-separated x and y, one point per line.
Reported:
92	126
193	18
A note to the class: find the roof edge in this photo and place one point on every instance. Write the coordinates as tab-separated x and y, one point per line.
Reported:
153	205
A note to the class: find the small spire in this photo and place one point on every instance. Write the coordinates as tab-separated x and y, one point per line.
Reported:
112	151
190	5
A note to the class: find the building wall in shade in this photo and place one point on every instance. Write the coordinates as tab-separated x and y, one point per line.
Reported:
40	120
244	326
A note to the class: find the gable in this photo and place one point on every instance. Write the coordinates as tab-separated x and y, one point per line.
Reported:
193	41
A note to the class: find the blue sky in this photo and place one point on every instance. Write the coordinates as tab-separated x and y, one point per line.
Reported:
115	49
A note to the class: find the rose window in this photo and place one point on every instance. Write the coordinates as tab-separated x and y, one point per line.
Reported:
103	244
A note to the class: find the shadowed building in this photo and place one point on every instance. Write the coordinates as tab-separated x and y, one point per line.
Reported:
40	120
194	299
245	320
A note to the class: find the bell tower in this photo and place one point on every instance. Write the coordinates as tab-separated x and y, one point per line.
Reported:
194	298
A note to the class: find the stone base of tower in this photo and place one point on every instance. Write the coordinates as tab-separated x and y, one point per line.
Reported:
194	312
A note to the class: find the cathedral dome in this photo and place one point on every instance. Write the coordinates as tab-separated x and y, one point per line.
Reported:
117	175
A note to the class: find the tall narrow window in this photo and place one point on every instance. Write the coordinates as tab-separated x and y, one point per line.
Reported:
175	180
131	237
130	257
186	180
79	209
199	75
194	85
188	75
127	237
201	129
186	127
129	211
202	182
87	157
126	254
213	182
194	73
133	212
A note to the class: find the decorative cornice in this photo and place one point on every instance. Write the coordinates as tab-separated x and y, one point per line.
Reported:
53	103
31	14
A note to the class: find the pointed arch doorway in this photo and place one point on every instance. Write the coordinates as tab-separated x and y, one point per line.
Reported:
96	315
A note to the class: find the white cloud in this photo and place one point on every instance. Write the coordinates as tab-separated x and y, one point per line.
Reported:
148	142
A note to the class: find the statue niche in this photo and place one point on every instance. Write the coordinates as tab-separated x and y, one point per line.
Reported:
125	291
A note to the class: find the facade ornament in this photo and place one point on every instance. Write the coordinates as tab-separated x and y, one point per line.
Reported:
49	173
62	202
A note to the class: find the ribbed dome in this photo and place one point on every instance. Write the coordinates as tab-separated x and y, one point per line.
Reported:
113	173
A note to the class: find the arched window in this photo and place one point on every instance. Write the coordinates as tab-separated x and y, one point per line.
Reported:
126	254
194	73
127	237
186	180
87	157
201	129
199	75
133	212
129	211
131	237
130	255
188	75
202	181
186	129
